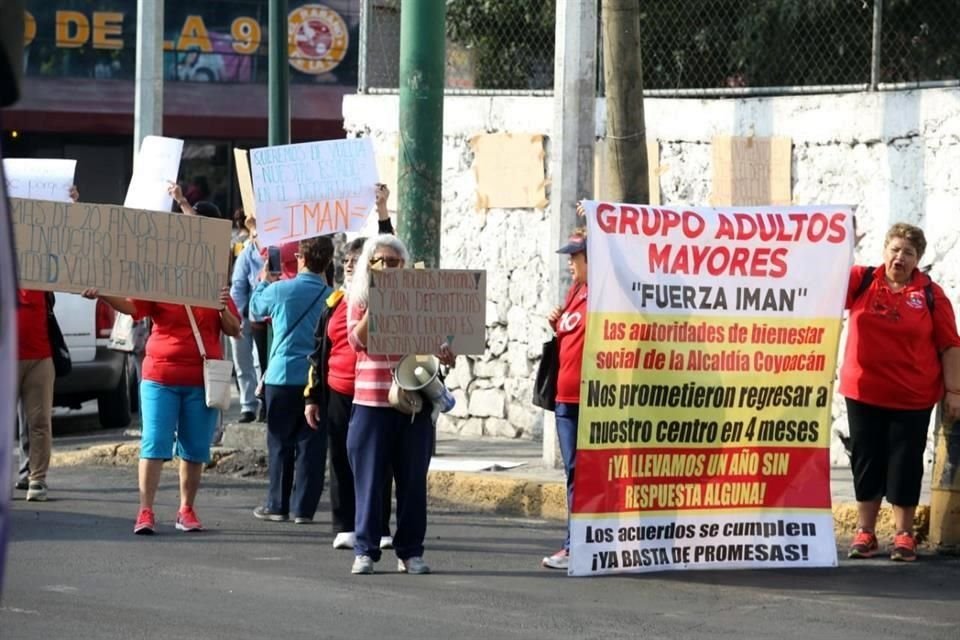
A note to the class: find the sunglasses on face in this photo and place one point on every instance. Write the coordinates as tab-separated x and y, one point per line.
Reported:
387	261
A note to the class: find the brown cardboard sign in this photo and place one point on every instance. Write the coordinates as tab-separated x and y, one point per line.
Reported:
509	171
751	171
146	255
414	311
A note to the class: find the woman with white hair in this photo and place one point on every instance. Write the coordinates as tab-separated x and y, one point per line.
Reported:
380	435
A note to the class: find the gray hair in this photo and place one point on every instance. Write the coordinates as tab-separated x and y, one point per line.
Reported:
360	285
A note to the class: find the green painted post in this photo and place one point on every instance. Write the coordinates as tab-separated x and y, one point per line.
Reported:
278	78
422	65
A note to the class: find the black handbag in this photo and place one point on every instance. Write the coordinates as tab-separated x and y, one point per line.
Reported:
62	364
545	387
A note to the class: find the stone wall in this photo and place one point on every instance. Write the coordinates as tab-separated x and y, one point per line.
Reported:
896	155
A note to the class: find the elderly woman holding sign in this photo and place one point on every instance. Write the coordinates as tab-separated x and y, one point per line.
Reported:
381	433
175	415
902	346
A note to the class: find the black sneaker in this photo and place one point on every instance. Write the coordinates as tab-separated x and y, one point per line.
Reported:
262	513
247	417
23	484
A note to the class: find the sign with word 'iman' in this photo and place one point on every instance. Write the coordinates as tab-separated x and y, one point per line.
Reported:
313	189
414	311
708	366
146	255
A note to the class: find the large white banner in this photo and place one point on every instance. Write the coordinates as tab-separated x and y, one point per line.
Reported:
710	352
313	189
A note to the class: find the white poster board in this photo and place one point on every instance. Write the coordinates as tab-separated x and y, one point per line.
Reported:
39	178
156	166
313	189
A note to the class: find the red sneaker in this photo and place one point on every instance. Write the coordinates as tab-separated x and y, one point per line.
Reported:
864	545
904	547
145	523
187	520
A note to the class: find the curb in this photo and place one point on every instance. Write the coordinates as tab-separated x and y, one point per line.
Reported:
507	496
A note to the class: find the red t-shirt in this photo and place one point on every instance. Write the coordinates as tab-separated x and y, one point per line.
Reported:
33	339
172	355
342	363
892	357
570	330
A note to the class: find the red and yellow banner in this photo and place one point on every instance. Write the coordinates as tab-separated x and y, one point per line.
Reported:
708	367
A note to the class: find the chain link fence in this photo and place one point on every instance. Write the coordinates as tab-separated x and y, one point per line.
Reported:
493	46
693	47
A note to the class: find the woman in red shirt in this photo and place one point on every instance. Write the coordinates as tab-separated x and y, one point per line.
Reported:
173	404
569	322
902	345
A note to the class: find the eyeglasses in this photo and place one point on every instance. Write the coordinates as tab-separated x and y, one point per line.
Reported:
388	261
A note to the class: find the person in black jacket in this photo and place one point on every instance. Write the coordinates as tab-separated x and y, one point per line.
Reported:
329	393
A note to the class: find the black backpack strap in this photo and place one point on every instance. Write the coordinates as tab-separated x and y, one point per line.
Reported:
928	294
864	283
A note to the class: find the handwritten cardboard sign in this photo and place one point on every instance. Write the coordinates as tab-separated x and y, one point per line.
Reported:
246	184
312	189
147	255
158	163
414	311
509	171
751	171
39	178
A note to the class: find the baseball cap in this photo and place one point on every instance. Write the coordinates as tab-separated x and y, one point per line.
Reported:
575	244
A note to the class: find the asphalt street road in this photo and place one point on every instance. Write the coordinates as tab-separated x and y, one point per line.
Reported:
76	571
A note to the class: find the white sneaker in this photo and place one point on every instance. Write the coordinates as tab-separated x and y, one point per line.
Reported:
37	492
414	565
362	565
386	542
559	560
345	540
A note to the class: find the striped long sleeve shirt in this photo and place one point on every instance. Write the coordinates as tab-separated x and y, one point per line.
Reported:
374	372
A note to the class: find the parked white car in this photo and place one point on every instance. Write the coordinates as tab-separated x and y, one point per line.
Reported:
98	373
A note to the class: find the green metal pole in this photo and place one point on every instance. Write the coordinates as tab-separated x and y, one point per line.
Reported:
278	78
422	65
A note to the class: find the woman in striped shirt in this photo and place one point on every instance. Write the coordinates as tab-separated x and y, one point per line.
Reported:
379	435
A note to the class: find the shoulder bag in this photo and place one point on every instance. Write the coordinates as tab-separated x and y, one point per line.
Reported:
217	374
545	386
62	363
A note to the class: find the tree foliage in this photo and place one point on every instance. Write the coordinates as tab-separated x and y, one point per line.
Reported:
692	44
511	40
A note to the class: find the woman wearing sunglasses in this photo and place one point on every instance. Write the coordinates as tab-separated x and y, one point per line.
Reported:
380	435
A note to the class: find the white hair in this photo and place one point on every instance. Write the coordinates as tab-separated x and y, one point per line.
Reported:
359	292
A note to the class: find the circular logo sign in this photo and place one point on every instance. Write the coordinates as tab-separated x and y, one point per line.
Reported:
317	39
